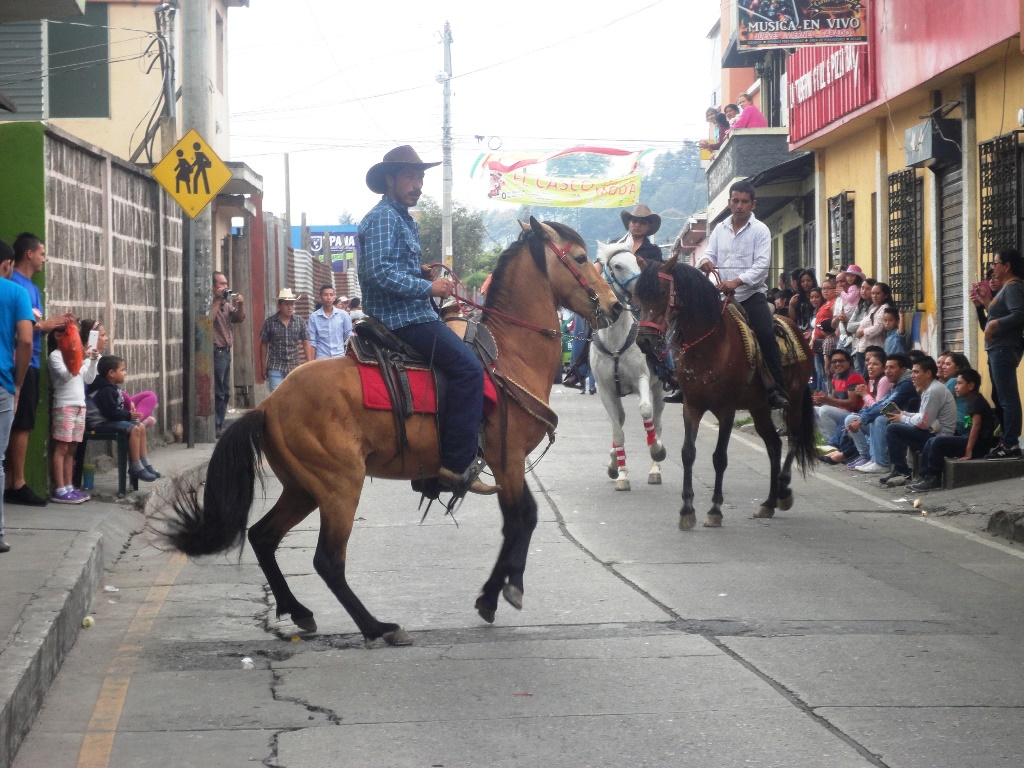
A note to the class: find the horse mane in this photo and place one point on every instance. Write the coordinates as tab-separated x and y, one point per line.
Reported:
529	239
699	300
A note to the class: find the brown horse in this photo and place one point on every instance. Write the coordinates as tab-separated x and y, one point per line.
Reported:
715	375
322	443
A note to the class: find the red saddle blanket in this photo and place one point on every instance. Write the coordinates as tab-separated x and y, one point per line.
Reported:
424	396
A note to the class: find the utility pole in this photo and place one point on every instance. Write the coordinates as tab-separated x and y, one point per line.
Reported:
446	150
198	251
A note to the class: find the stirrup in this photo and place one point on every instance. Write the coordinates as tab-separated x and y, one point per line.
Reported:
468	481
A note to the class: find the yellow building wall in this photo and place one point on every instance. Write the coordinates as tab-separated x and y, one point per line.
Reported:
849	166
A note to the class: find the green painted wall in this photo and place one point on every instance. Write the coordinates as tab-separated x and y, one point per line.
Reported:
23	209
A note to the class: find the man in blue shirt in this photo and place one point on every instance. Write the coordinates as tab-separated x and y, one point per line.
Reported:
397	292
329	327
29	257
15	353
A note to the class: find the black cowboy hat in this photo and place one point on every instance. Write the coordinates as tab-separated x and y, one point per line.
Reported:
395	160
642	212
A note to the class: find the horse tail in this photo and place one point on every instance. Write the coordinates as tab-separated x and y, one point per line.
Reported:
806	451
218	524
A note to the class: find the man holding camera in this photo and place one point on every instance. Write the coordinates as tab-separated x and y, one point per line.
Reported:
228	309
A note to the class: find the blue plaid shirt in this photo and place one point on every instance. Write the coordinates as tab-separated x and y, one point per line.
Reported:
394	291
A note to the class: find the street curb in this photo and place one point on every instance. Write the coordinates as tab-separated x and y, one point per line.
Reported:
53	615
31	662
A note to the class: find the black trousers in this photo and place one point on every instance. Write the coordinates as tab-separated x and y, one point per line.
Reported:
760	314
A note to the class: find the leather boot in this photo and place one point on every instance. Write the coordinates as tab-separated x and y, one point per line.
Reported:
456	482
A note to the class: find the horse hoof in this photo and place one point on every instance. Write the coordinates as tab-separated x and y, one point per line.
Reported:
622	485
713	521
786	504
658	452
306	624
613	471
397	637
485	611
764	512
687	521
513	596
654	478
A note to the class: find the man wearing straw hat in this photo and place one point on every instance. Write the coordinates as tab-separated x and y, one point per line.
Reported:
397	292
284	343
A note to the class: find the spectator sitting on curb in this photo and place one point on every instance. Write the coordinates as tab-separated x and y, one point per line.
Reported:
973	438
876	387
108	412
868	431
830	412
950	364
935	416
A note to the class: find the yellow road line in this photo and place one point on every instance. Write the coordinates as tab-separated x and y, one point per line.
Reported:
98	742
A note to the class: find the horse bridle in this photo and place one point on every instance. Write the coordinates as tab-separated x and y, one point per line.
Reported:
672	308
562	254
621	288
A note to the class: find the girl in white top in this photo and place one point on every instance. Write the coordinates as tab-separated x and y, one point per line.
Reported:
68	416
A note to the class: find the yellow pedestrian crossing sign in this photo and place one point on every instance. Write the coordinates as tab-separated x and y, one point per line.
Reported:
192	173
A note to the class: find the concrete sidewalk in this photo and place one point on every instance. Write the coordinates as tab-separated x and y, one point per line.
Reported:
58	556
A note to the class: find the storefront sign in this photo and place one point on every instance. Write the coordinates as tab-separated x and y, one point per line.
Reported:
826	83
795	23
932	142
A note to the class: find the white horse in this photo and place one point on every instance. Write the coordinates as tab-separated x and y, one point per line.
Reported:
621	369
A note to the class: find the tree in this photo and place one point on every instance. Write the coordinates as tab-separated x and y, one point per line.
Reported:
346	219
467	236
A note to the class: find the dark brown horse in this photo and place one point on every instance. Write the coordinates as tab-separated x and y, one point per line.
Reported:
322	443
714	374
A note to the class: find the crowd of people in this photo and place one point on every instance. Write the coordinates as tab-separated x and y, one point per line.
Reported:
873	409
734	116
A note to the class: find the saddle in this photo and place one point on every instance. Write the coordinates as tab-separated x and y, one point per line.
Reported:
789	345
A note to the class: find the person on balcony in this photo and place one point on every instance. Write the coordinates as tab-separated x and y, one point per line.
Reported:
751	116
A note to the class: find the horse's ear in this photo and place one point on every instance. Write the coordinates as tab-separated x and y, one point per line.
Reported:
524	225
538	229
671	263
640	261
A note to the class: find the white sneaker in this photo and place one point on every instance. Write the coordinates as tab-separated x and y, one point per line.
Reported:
874	468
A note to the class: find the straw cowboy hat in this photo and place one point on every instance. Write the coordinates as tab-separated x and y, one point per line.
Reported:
395	160
287	295
642	212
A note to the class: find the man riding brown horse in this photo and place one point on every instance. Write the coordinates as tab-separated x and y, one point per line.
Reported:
397	291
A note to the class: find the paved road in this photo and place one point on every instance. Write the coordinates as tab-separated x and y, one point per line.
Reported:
850	631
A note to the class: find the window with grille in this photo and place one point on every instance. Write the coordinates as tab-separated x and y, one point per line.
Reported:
906	239
1000	181
840	229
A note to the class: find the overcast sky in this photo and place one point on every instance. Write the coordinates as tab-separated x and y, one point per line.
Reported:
336	85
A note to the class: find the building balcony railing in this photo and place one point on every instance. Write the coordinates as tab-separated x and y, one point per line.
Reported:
745	154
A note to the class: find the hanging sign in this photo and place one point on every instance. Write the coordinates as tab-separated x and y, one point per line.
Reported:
524	188
796	23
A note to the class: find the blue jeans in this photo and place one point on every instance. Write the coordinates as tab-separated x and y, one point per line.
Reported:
464	400
943	447
274	379
221	382
899	437
6	419
1002	367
